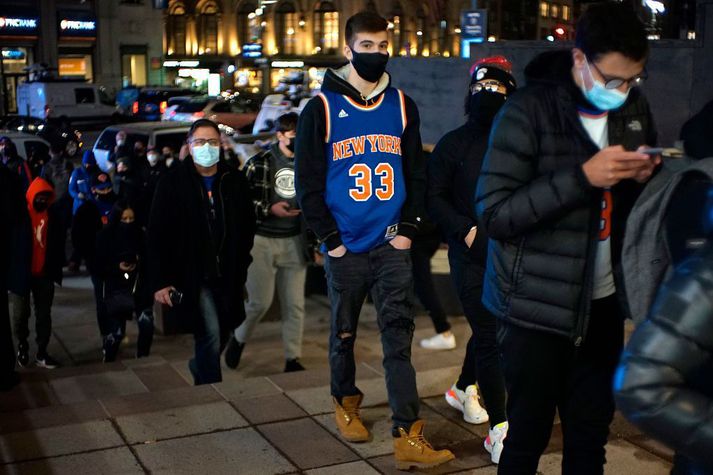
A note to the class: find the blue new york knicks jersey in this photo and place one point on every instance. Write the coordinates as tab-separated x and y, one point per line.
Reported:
365	181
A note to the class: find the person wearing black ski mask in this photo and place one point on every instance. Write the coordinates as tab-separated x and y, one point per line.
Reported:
453	172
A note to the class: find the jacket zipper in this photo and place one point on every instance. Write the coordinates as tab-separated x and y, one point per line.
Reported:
585	305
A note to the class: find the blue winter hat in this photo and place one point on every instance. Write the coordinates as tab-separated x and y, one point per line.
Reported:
88	158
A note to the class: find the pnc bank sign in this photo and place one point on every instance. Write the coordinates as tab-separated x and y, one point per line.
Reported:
18	23
77	25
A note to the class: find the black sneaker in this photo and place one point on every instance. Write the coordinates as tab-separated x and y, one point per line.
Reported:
293	365
23	354
46	361
233	352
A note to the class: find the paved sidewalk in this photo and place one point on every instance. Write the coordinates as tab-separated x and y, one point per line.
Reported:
141	416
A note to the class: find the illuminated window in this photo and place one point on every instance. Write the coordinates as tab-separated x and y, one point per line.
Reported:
396	29
176	29
422	31
554	10
544	9
208	29
249	24
566	12
326	28
286	28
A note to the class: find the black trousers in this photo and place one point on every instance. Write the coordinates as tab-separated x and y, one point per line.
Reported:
422	250
482	360
546	372
7	349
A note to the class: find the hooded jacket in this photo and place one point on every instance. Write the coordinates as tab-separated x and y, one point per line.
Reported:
311	163
81	181
42	246
57	172
537	206
181	241
453	170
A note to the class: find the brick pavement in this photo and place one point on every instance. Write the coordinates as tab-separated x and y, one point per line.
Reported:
140	416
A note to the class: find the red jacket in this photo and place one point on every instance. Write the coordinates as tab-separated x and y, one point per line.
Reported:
40	221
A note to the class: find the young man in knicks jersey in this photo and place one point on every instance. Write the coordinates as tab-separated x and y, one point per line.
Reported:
360	176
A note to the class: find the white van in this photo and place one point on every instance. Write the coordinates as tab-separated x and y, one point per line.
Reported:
75	100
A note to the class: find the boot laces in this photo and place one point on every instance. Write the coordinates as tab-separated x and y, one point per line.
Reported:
418	441
351	414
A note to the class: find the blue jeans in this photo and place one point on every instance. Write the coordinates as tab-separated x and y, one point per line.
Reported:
385	272
205	365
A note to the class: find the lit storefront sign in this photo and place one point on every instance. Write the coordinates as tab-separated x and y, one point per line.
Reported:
13	53
77	25
181	64
287	64
252	50
19	26
72	67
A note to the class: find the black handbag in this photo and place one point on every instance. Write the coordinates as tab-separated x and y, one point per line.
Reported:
120	302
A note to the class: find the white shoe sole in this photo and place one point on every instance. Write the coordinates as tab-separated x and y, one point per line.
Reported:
436	348
481	419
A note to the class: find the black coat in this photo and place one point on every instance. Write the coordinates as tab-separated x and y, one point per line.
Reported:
664	384
537	206
453	170
117	243
179	240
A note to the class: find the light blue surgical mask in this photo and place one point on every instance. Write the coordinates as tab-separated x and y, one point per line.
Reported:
602	98
206	155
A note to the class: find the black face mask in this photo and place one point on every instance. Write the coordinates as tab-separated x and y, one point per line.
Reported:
106	197
369	66
485	105
41	206
291	146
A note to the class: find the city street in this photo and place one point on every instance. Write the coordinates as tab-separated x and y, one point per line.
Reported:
143	416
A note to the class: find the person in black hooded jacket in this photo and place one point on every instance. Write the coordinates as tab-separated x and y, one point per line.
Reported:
452	175
121	267
200	233
561	174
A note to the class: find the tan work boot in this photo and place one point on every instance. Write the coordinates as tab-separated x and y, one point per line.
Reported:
413	450
348	421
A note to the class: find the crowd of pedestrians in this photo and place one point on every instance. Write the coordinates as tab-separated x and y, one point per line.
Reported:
560	219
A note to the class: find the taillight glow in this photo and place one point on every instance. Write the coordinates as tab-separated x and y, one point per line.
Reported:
163	106
198	114
135	108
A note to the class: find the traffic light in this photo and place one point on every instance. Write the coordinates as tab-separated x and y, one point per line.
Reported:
560	33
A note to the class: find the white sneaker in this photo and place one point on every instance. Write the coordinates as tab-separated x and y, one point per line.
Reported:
494	442
440	341
467	403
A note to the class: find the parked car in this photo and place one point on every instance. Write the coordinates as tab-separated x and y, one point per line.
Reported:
150	102
234	112
75	101
27	144
53	131
158	134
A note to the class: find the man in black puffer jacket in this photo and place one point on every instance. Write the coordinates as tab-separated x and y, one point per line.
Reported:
558	181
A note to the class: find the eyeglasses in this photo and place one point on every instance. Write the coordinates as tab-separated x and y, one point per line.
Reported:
201	142
490	86
613	83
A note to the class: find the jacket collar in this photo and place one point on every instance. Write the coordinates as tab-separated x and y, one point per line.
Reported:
335	80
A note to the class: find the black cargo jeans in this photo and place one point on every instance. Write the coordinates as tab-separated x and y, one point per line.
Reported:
386	272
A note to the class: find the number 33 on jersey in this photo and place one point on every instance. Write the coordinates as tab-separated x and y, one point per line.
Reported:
365	183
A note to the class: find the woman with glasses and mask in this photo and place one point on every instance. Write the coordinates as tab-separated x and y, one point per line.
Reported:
453	172
200	233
